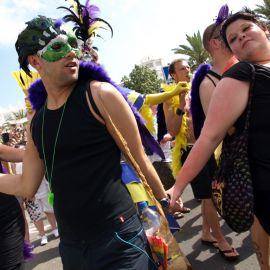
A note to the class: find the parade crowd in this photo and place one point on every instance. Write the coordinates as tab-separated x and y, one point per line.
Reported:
67	163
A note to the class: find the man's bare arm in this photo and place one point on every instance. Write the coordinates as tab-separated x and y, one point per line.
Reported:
124	120
11	154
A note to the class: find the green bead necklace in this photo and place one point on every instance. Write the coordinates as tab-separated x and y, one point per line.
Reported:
49	176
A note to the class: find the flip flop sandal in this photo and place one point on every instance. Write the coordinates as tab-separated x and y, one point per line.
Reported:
228	258
210	243
185	209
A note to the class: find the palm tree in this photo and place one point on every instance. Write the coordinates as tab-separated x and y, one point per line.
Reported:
17	115
264	10
196	52
20	114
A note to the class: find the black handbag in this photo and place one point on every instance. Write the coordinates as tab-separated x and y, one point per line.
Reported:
232	189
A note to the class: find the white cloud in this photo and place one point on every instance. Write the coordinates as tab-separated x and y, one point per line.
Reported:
14	14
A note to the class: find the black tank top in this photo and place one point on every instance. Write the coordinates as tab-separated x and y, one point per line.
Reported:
86	181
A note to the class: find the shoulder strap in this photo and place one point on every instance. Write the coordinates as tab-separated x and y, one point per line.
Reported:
210	79
131	159
214	74
92	102
250	96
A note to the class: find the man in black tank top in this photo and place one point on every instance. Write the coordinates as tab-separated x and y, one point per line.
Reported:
211	230
78	151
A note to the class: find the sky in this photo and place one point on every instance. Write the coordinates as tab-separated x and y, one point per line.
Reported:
142	29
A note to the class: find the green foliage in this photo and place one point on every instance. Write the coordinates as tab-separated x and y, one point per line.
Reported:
20	114
143	80
196	52
264	10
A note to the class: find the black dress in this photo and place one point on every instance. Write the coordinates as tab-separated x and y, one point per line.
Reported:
259	135
11	232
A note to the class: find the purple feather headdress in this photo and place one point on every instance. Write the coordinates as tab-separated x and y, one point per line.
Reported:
222	15
86	22
90	71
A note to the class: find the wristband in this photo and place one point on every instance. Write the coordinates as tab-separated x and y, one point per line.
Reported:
165	202
179	112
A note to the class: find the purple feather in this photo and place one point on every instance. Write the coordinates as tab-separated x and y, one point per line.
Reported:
59	22
4	169
222	14
92	10
195	104
27	250
90	71
37	94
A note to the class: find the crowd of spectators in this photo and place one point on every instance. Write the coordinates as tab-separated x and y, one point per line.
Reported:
13	135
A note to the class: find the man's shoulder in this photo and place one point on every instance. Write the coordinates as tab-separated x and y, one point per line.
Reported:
104	90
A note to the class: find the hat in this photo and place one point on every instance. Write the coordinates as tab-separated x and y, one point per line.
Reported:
38	33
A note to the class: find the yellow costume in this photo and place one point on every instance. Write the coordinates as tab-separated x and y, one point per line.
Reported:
143	103
148	100
181	137
24	82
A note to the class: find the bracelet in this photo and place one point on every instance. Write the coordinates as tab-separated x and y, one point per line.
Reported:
179	112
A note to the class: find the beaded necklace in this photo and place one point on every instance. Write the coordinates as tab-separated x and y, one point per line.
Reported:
49	176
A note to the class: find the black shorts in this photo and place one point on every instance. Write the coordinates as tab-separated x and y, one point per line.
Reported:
262	209
202	184
164	171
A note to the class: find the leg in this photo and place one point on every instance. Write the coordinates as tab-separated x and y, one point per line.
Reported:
48	210
261	244
26	235
51	219
40	227
212	219
206	230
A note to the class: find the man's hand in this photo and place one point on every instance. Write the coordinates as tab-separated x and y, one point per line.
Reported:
181	87
166	138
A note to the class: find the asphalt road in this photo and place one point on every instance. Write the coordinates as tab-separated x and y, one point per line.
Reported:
201	257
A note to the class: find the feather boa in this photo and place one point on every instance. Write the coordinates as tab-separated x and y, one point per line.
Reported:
181	137
27	250
91	71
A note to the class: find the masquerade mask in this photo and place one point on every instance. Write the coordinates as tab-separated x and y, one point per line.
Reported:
59	47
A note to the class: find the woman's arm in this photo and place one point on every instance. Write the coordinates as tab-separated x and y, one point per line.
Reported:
228	102
24	185
125	122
